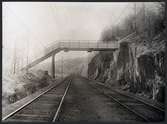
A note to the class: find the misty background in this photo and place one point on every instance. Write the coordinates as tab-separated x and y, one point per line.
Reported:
30	27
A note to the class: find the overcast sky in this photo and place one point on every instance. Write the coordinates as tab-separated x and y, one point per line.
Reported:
33	25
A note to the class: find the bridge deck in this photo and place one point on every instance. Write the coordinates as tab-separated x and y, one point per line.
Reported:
82	46
75	46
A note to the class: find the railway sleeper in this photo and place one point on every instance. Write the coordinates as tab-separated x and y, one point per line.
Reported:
153	116
18	120
37	111
31	116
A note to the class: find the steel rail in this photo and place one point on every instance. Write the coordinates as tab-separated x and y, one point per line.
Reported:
148	104
125	106
61	102
128	108
20	108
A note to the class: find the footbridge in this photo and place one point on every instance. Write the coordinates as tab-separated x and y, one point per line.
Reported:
58	46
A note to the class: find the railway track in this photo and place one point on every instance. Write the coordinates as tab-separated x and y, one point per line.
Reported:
143	110
43	108
46	106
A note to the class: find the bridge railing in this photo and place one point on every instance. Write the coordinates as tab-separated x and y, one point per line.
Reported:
87	45
51	48
82	45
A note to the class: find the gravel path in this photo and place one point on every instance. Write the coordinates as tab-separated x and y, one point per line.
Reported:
83	103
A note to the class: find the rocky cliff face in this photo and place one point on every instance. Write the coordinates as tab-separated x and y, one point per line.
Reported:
138	66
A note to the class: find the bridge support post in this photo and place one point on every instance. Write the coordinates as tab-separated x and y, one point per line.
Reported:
53	66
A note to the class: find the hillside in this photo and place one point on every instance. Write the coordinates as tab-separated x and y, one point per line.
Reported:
21	85
16	87
136	67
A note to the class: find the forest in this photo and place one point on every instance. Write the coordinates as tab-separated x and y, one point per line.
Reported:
139	64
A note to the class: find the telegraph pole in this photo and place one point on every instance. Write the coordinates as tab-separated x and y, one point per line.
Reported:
62	67
144	21
27	54
53	66
87	65
14	59
149	24
135	16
